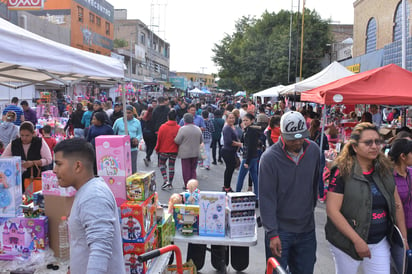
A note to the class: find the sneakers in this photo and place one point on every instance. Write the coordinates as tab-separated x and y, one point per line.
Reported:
207	167
214	163
227	189
220	161
146	162
166	185
249	189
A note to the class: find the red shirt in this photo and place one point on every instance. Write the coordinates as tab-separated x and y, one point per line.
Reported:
166	138
51	142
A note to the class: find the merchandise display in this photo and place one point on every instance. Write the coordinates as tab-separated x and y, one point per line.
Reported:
50	185
212	213
166	230
10	187
186	218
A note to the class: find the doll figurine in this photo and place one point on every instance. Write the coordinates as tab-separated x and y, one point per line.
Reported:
174	199
191	196
5	196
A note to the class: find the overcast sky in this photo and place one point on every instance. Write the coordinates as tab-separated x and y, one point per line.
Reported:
192	27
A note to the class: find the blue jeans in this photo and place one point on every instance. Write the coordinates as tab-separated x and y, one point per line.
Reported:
298	251
321	183
253	169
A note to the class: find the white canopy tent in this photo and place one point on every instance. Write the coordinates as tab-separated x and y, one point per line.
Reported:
272	92
333	72
27	58
196	91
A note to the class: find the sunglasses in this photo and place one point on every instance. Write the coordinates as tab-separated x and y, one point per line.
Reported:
369	143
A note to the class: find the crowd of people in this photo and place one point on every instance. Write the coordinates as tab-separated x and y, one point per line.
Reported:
279	149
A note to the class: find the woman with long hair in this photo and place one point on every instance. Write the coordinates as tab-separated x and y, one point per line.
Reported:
149	136
363	205
315	134
230	146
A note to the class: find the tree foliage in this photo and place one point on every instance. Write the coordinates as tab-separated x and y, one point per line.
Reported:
120	43
256	55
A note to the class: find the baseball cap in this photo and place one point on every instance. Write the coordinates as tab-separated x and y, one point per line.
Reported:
293	126
97	102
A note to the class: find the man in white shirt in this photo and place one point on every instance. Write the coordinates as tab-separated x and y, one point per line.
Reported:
94	226
376	115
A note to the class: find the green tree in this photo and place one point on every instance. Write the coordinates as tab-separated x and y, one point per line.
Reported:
256	55
120	43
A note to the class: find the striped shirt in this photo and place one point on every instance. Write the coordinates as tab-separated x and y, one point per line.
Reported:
17	110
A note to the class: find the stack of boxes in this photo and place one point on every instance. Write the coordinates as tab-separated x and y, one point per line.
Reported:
138	220
241	218
19	236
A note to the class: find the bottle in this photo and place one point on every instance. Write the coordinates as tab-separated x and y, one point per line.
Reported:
64	246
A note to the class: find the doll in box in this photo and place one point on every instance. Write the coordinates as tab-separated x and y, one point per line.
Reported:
5	196
191	196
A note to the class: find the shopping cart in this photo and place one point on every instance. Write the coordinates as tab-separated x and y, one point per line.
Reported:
273	264
157	252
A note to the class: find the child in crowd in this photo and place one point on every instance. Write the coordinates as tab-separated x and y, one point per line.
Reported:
51	141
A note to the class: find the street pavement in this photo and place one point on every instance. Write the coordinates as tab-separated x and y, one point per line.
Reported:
212	180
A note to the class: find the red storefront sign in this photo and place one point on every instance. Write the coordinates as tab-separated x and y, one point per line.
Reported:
25	4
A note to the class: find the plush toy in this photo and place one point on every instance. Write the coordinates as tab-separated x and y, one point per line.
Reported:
191	196
174	199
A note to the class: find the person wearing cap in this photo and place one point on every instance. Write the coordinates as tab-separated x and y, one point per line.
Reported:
134	129
288	189
188	138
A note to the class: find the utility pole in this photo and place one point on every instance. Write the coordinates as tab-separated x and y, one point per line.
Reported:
301	40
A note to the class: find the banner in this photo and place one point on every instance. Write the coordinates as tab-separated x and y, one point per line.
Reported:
25	4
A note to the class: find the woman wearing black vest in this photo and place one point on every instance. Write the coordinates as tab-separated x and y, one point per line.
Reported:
33	150
362	205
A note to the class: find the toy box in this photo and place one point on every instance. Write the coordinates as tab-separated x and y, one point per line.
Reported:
140	186
20	236
113	156
241	200
166	230
137	219
50	185
185	216
212	213
117	185
236	217
132	250
241	230
10	187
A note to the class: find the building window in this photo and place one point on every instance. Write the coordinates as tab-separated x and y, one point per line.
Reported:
397	22
91	18
98	21
80	13
107	26
142	38
371	36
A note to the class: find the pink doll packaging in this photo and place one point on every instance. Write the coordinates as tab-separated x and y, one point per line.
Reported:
113	156
212	213
50	185
10	187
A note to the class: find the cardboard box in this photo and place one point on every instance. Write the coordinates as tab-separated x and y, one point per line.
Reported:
137	219
50	185
10	187
212	213
186	215
241	200
113	156
55	207
166	230
236	217
21	235
131	250
140	186
241	230
117	185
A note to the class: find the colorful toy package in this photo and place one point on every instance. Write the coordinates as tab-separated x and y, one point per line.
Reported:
241	200
132	250
137	219
166	230
50	185
212	213
20	236
236	217
113	156
186	215
117	185
10	187
241	230
140	185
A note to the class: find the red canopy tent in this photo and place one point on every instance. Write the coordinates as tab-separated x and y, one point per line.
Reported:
389	85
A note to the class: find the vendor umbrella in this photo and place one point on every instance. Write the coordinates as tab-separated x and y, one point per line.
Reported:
240	93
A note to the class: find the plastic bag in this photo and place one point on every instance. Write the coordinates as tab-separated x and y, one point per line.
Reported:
142	145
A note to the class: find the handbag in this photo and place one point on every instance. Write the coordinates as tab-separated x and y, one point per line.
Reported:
32	184
237	161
